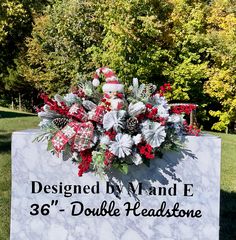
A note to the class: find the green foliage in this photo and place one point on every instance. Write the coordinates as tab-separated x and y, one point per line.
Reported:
122	167
57	54
16	17
155	41
98	163
222	77
13	16
190	44
135	38
14	22
189	61
15	85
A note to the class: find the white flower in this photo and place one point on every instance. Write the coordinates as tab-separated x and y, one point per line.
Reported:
136	109
162	112
176	118
153	133
137	139
114	119
160	100
122	145
105	140
137	159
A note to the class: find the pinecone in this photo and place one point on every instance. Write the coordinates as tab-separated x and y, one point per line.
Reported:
132	125
60	122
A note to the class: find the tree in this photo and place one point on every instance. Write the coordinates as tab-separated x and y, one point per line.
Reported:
156	41
222	72
136	38
190	44
57	52
14	21
16	17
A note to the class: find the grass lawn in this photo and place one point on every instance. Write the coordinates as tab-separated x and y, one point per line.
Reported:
11	121
228	187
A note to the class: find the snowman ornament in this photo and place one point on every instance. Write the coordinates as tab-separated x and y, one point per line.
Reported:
113	90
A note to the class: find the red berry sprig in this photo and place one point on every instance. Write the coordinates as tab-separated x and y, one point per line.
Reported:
109	156
146	151
111	134
151	112
165	88
106	104
85	163
183	108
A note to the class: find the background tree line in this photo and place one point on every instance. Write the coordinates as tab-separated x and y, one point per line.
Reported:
50	45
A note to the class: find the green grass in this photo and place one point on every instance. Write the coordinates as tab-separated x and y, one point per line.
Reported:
228	166
11	121
228	187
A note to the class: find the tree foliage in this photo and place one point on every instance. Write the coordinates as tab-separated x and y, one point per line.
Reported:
57	52
136	38
16	18
156	41
14	21
222	72
190	44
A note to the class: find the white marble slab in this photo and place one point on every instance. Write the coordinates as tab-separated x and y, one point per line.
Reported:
199	165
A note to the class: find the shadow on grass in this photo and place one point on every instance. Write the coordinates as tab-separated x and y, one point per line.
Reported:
6	114
5	142
227	215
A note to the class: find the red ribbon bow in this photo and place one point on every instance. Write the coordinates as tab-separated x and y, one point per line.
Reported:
80	136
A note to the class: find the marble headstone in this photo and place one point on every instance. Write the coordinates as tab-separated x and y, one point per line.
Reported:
49	200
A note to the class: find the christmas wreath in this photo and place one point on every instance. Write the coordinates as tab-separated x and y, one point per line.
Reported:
102	130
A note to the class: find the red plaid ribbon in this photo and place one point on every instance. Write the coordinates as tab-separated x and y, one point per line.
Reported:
97	114
81	135
78	112
84	137
62	137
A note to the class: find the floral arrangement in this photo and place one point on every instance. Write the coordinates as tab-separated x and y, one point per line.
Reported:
108	129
